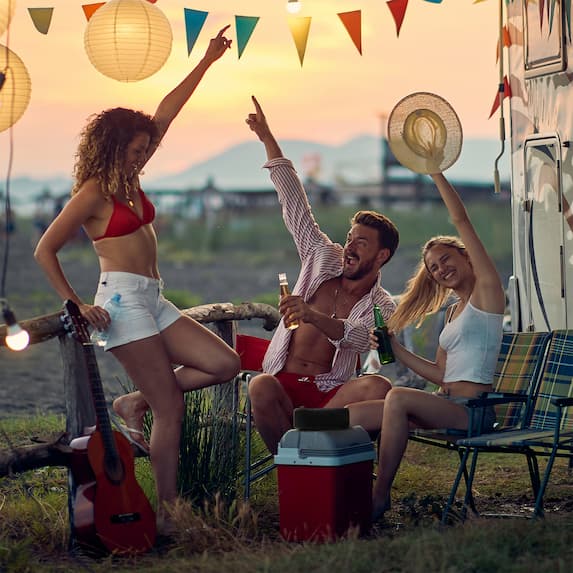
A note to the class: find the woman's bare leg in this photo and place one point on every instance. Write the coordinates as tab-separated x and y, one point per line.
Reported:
404	407
205	360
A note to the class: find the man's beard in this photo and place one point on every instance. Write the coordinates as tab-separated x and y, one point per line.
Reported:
361	270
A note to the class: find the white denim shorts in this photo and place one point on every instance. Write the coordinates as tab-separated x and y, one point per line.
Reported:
484	418
144	311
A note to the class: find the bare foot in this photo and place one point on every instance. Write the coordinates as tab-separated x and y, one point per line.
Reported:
166	521
131	408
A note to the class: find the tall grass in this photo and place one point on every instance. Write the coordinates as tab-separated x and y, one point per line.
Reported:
209	451
218	536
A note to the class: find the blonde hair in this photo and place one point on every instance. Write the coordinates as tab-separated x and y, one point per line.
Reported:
103	145
423	295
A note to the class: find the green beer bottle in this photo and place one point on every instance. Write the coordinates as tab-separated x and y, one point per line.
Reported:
385	353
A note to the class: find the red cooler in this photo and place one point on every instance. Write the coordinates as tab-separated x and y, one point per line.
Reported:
325	483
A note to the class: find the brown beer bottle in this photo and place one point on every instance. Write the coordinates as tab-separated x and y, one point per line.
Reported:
385	352
284	291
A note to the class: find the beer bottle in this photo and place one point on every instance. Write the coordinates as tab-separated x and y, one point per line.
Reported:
385	353
284	291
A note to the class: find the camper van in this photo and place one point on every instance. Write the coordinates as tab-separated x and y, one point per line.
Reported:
540	77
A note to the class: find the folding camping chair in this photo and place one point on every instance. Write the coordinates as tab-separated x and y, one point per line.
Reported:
252	350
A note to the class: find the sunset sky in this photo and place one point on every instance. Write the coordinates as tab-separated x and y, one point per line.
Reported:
446	48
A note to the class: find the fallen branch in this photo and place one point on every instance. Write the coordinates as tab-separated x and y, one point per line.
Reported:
21	459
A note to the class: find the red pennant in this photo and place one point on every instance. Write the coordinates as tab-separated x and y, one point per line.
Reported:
505	90
89	9
398	9
353	23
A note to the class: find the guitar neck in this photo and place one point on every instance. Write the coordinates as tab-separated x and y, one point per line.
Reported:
99	401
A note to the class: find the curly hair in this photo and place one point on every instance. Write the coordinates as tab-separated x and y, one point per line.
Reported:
388	236
423	295
103	145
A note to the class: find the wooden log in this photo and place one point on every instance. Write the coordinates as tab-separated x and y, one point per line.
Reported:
50	326
54	453
80	413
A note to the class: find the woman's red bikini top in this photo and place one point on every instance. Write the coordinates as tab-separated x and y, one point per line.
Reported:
124	220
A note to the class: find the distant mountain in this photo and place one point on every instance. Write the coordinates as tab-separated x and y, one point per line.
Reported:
239	167
356	161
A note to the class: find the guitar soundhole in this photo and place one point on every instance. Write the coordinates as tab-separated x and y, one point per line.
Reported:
125	517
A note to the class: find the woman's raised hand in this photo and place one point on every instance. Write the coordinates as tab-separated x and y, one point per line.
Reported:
218	45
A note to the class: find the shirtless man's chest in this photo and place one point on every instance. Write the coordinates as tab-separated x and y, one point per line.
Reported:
310	351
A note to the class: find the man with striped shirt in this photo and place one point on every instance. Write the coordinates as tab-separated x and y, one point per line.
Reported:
313	366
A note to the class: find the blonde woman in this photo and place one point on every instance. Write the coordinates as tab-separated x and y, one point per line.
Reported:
468	345
151	334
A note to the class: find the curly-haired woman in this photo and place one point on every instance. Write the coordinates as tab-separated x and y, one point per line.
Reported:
151	334
468	346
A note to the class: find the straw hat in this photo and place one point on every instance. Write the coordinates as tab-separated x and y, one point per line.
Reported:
424	133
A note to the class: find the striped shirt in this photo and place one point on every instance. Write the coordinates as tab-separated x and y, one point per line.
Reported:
321	260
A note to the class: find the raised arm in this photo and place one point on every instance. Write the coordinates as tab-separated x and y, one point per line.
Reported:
172	103
258	123
488	291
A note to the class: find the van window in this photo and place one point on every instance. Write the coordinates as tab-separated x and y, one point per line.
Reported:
544	50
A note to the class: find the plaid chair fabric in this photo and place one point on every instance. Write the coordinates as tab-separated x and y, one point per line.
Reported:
517	369
549	430
556	382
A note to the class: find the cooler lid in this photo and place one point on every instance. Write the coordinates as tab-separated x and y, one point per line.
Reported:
325	448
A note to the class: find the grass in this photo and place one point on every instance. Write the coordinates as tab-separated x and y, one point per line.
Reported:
222	537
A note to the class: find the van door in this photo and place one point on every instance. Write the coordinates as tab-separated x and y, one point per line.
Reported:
543	211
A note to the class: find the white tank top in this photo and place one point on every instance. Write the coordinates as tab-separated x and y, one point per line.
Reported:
472	342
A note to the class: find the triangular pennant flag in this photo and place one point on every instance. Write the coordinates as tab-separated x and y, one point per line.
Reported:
434	1
505	40
194	20
244	26
398	9
299	28
504	89
89	9
353	23
42	17
541	6
506	37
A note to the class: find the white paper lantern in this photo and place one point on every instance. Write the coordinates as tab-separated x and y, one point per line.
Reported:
128	40
6	12
15	93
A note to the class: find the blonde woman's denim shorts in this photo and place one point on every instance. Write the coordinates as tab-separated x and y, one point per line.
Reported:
144	311
484	418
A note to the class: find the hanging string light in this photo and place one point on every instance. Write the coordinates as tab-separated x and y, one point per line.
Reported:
15	88
128	40
294	6
16	337
6	12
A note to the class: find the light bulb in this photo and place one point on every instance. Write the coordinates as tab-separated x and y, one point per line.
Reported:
293	6
16	337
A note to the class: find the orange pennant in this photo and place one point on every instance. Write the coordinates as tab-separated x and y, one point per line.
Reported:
505	39
89	9
503	91
353	23
398	9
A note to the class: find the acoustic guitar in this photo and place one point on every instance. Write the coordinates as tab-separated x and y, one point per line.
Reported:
110	511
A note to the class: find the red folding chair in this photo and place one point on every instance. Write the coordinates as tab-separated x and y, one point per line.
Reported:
252	350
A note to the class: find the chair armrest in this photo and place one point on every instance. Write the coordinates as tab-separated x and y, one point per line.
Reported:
493	398
563	402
